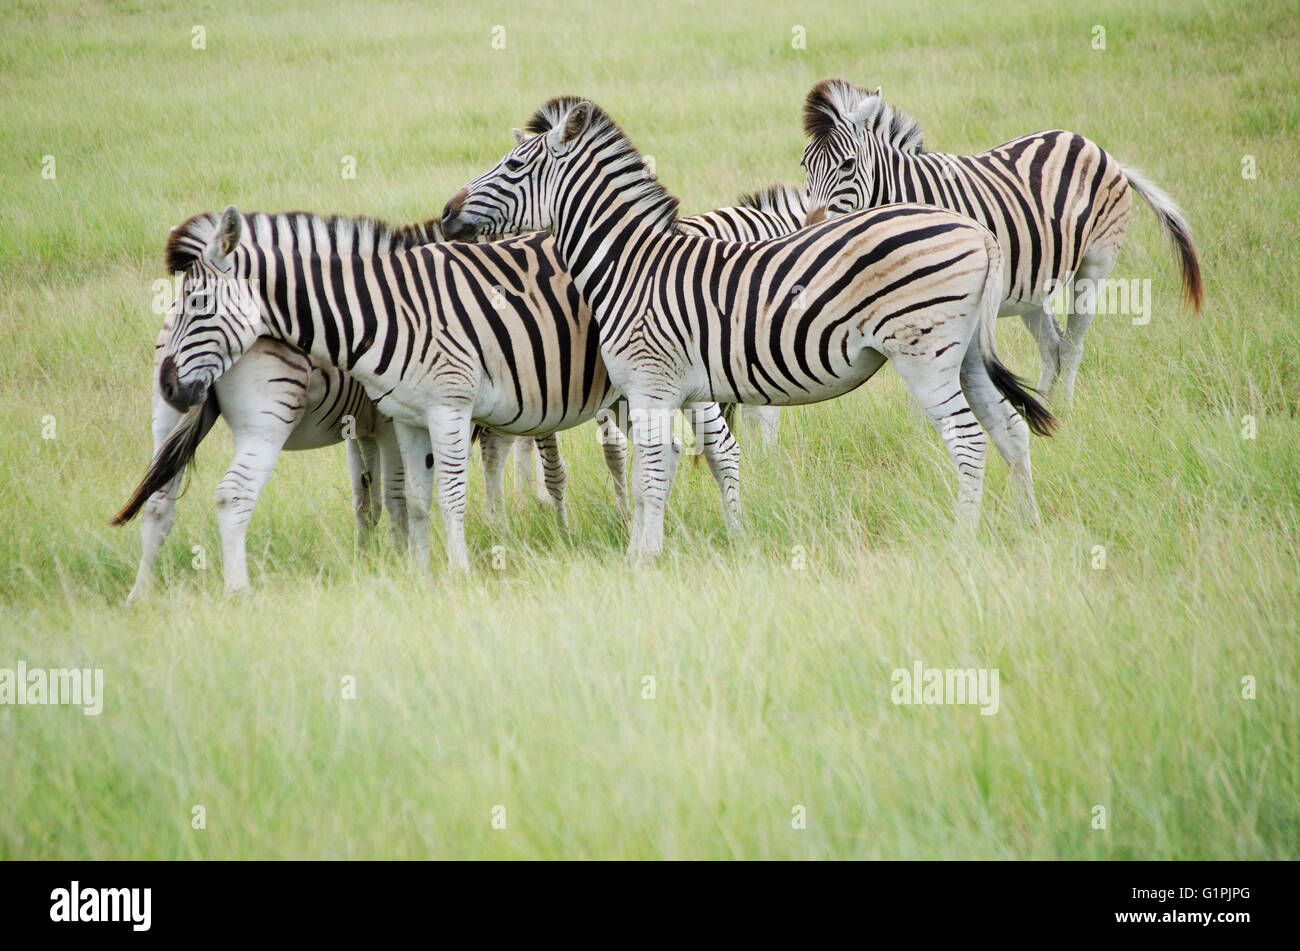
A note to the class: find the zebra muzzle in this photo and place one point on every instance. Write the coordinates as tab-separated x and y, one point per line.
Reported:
453	226
180	396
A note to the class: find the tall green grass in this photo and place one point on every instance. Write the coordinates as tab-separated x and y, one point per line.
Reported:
771	654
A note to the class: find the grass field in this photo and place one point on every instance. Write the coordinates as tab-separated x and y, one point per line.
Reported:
1121	686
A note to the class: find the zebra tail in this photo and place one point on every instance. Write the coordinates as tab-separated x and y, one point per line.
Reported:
1179	232
1017	392
173	457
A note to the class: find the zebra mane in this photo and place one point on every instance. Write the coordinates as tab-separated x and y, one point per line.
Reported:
775	198
364	235
619	156
188	239
836	102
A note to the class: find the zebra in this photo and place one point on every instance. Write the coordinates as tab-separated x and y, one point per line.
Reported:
276	397
772	212
790	320
1057	202
442	336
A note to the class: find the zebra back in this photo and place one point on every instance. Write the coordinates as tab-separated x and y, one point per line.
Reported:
1047	196
323	234
769	213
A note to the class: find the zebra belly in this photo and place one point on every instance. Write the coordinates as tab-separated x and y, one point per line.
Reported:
841	378
266	391
501	408
338	409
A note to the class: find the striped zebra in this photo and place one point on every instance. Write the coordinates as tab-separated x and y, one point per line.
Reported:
769	213
442	336
1057	202
790	320
773	212
276	397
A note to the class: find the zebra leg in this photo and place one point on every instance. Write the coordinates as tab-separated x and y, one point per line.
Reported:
523	448
539	471
614	443
391	464
530	476
939	392
256	449
1005	426
1096	268
496	450
653	467
363	470
417	460
769	424
449	432
159	512
624	422
555	475
1047	333
722	454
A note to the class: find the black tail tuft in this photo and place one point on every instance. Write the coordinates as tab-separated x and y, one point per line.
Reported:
1192	286
172	458
1023	397
1179	232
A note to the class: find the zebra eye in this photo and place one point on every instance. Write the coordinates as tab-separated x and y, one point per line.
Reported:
847	165
514	164
200	302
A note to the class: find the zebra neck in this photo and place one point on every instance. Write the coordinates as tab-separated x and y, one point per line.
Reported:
891	181
794	216
914	177
605	225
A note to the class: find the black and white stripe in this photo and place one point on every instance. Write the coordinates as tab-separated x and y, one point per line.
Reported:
442	336
795	319
1058	204
275	398
773	212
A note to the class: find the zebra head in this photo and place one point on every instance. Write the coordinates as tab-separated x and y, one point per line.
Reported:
852	133
518	192
835	116
215	316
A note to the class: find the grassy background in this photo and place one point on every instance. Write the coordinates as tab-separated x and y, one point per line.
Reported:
1121	687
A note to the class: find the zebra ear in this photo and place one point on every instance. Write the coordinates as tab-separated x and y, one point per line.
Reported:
520	136
575	122
230	229
859	116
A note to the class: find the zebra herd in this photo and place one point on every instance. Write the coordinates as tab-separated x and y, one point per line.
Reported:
561	286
